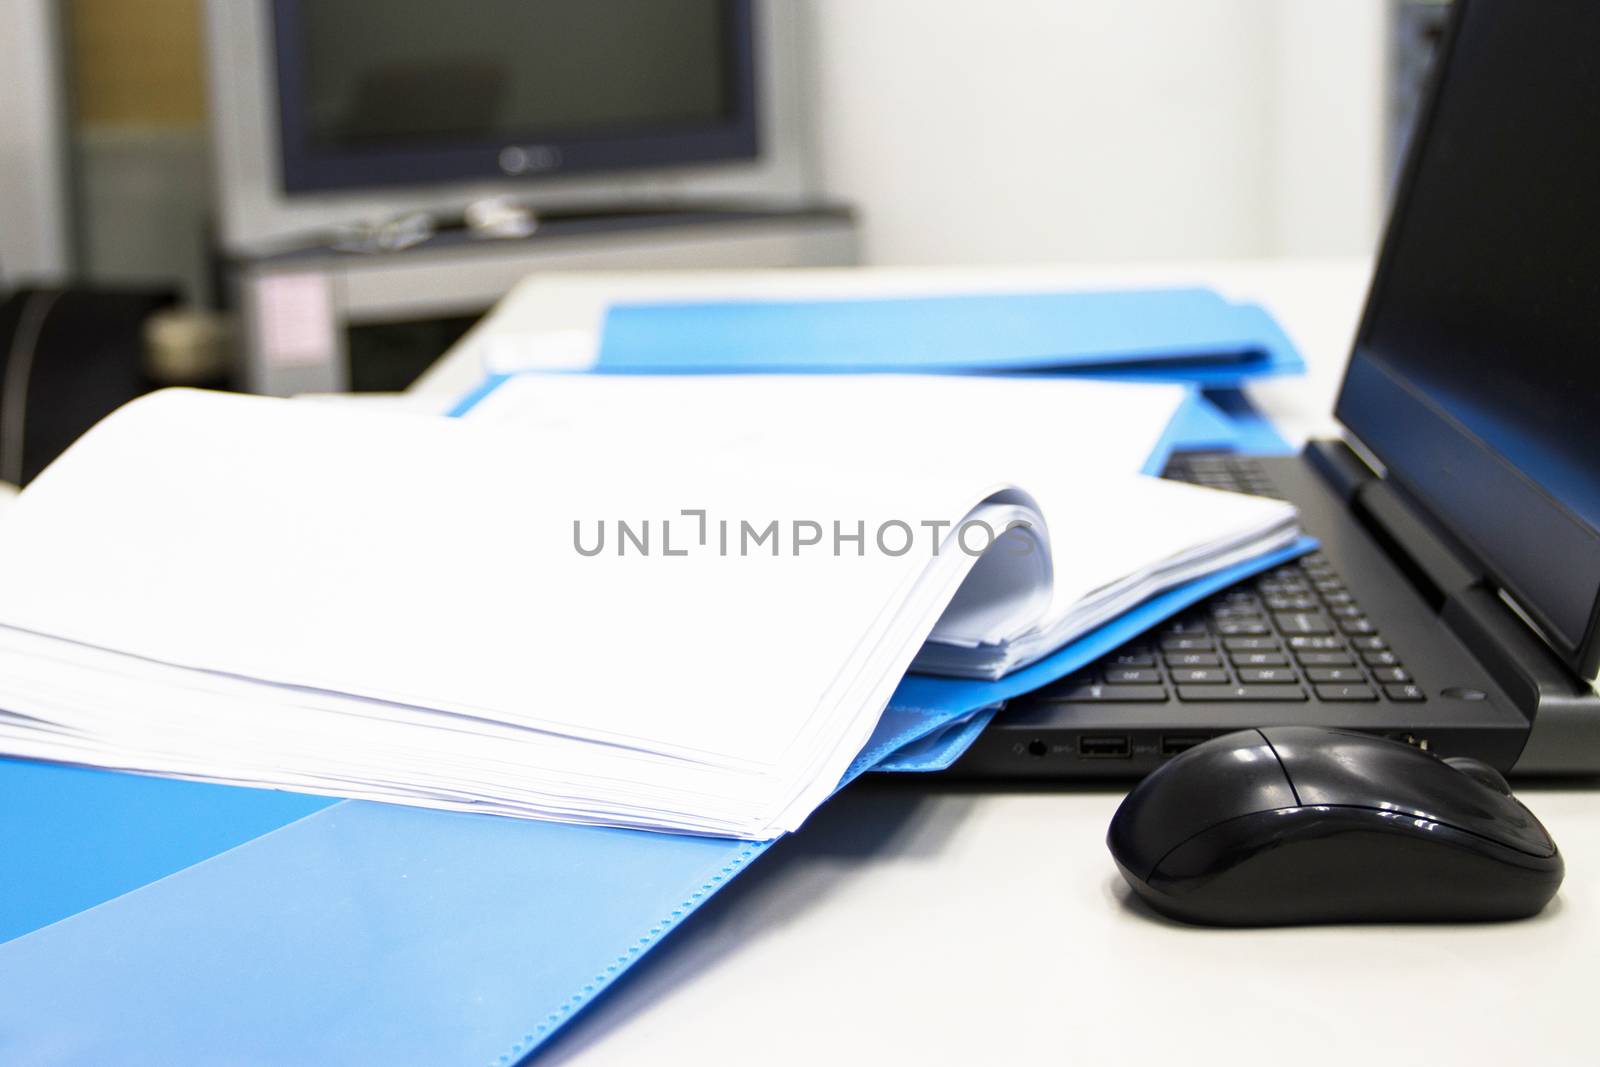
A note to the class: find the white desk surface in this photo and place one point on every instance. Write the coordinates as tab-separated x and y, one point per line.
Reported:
918	922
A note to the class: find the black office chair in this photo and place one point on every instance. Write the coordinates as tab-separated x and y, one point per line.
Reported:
68	357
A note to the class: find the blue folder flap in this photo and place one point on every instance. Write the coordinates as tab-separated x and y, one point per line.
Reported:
366	933
385	934
940	749
1154	334
1251	431
1275	354
1197	426
74	837
376	933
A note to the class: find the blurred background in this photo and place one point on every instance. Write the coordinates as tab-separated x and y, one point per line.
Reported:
322	195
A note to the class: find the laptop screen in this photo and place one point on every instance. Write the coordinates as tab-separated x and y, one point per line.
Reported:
1476	373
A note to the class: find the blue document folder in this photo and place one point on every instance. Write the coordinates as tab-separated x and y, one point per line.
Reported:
373	933
1186	335
155	921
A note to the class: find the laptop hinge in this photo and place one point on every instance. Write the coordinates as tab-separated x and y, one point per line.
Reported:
1438	570
1340	467
1564	709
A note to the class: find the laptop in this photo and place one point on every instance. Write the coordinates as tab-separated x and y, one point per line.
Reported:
1455	601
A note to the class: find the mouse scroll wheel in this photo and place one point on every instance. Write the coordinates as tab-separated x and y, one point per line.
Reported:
1480	770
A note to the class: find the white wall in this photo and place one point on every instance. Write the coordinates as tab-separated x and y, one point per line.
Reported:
1027	130
1329	130
34	244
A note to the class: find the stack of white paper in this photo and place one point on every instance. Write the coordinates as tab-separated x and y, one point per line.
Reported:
1116	539
1165	534
612	601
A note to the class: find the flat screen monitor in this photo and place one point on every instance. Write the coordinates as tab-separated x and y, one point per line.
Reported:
415	92
1475	376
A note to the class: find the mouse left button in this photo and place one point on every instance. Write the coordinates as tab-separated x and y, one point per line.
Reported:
1224	778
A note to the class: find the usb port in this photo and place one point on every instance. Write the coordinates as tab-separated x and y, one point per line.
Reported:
1104	748
1171	746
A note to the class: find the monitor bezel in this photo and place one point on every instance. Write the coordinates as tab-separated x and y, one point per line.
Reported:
1378	408
305	168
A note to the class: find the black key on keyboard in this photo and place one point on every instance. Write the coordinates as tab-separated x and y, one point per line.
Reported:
1315	644
1302	623
1260	659
1200	676
1345	692
1335	674
1404	693
1196	659
1281	587
1241	692
1192	643
1265	675
1325	659
1231	628
1132	676
1249	644
1101	694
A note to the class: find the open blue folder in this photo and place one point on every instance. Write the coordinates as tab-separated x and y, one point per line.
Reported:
199	923
1185	335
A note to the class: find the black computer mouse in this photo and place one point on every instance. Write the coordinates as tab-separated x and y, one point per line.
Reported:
1297	824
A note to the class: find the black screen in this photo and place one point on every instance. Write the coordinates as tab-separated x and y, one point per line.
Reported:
509	70
416	92
1476	377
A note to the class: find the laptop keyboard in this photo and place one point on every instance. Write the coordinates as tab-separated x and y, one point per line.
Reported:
1292	634
1241	474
